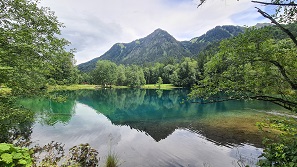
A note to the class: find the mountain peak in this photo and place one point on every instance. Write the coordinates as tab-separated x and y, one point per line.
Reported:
159	31
161	36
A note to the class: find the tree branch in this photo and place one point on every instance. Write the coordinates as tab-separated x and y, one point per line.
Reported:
201	3
266	15
276	4
287	104
283	72
290	105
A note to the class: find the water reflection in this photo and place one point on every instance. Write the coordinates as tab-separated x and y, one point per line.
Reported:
159	116
149	128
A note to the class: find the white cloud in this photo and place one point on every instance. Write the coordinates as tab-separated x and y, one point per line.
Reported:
93	26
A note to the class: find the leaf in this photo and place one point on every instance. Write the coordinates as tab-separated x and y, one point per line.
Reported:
7	158
22	162
4	147
17	155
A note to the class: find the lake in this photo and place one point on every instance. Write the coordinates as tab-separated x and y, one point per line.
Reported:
152	127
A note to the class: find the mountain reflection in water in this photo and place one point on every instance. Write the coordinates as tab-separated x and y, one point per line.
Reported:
149	127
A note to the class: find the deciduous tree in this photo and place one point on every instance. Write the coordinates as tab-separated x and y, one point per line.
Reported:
252	65
105	73
30	46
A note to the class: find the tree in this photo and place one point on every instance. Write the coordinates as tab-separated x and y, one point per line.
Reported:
174	79
187	72
159	82
105	73
135	76
121	78
167	71
153	72
85	78
64	71
30	46
251	66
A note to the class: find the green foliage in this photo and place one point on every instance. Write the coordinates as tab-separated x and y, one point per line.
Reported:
285	13
280	154
85	78
105	73
31	51
282	150
183	74
52	154
167	72
135	76
152	72
14	156
15	123
251	65
108	73
121	77
187	72
159	82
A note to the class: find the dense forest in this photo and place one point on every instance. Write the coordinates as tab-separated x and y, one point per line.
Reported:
259	63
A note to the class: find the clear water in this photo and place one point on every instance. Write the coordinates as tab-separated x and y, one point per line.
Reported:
149	127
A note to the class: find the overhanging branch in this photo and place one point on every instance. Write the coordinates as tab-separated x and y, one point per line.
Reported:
283	72
201	2
276	4
288	104
266	15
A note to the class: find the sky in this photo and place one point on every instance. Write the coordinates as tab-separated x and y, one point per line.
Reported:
93	26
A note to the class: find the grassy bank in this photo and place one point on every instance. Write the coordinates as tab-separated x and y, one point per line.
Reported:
72	87
52	88
162	86
93	87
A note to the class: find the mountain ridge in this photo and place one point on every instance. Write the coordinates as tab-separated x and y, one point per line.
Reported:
159	46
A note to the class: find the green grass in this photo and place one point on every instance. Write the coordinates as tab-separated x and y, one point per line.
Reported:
162	86
72	87
5	90
112	160
93	87
120	87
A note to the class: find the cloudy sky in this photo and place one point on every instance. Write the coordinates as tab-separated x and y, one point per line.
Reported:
93	26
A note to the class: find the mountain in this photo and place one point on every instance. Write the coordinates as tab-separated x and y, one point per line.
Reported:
261	25
156	47
212	36
159	46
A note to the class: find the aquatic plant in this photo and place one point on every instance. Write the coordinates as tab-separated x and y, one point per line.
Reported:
112	160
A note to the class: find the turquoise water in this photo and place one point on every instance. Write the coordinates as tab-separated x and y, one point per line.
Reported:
147	127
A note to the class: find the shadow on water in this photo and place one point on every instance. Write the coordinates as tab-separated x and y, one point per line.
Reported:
159	113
